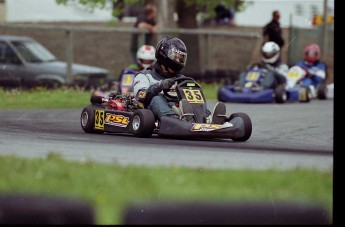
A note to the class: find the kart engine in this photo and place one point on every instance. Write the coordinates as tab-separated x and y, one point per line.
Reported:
122	102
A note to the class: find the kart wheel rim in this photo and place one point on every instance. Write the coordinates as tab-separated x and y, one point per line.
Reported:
136	123
84	119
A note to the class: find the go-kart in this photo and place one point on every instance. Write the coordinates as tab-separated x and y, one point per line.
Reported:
255	87
120	113
296	75
124	86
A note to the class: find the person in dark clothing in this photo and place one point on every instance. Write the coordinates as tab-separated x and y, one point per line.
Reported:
272	31
224	15
171	58
147	20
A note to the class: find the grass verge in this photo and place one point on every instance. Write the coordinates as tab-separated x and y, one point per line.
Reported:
41	98
110	188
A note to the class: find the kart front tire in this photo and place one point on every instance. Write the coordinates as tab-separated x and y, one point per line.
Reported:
280	94
143	123
247	126
219	95
87	120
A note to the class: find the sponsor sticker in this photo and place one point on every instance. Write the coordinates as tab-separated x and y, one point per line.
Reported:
142	94
209	127
116	120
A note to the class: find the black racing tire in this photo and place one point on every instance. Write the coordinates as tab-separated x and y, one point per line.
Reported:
321	91
219	95
143	123
95	99
87	120
280	94
247	126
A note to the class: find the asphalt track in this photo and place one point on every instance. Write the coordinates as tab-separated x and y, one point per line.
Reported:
285	136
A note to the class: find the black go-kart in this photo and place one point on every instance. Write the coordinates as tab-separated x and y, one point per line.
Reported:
120	113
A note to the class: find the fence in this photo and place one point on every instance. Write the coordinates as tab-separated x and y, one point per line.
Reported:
214	54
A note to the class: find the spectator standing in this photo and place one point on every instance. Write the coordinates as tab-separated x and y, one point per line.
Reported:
272	31
146	20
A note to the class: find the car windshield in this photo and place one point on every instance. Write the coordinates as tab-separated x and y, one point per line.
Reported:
33	52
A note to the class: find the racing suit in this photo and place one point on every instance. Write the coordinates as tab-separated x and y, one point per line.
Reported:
316	73
148	92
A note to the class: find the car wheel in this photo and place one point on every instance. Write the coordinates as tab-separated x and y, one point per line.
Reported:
50	84
87	120
143	123
247	126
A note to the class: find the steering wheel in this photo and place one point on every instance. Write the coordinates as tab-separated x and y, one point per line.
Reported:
167	92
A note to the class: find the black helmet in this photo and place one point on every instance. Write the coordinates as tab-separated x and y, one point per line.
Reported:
172	53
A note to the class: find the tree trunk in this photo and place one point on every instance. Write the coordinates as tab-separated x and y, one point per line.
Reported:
187	19
165	15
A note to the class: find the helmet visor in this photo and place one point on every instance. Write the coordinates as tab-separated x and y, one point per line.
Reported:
146	61
269	55
311	54
177	56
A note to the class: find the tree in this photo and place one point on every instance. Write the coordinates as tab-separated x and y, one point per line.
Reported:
186	10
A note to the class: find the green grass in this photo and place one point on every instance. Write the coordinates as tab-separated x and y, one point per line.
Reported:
109	189
41	98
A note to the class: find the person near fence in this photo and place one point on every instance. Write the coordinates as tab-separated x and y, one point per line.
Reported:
316	70
171	57
224	15
272	31
146	20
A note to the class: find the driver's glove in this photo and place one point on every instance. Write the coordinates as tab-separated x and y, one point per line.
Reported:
166	84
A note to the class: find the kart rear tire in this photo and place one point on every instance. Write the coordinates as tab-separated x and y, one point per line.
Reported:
87	120
143	123
321	91
280	94
247	126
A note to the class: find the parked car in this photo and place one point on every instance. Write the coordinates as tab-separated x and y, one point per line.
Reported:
26	63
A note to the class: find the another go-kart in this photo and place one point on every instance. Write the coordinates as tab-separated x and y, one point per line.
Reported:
127	81
296	75
120	113
124	85
255	86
